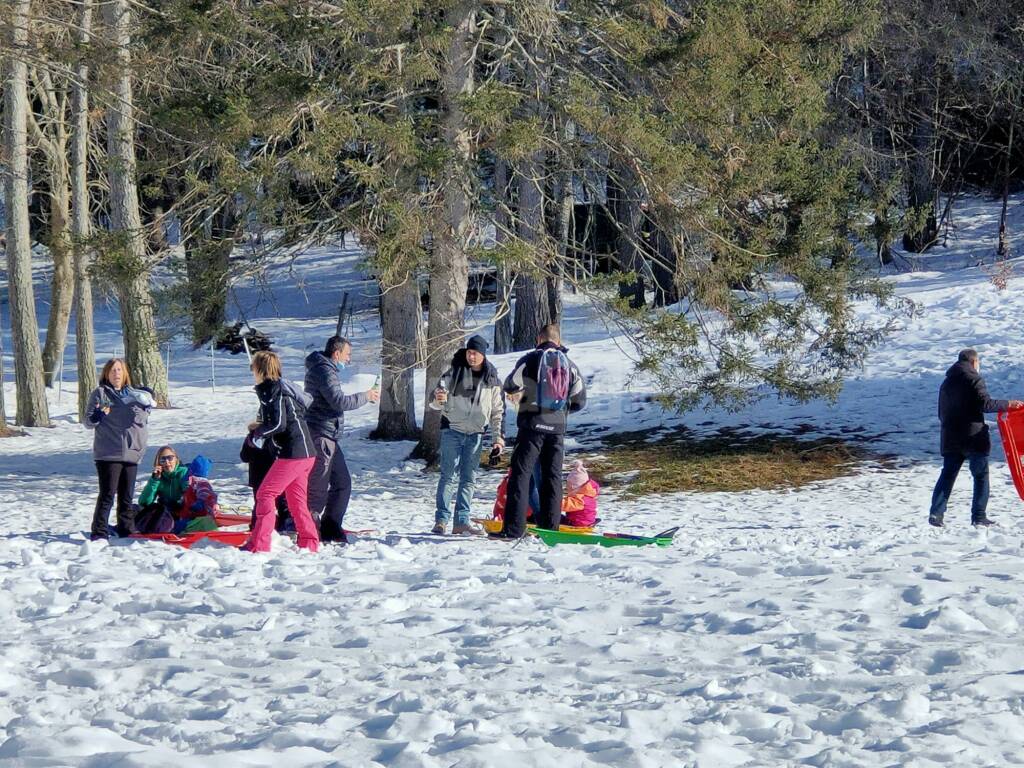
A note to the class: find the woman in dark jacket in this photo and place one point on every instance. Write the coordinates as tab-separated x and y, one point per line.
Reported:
282	423
118	415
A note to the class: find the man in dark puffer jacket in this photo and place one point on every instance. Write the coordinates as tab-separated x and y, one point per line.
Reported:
963	401
330	484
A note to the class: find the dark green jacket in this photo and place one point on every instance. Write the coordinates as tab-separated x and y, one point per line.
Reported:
168	489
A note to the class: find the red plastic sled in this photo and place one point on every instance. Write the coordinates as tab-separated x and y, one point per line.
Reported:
1011	429
225	519
230	538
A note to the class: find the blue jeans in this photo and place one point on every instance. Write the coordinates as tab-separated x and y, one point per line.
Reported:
951	463
460	454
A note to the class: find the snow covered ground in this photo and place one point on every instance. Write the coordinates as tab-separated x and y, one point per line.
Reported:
827	626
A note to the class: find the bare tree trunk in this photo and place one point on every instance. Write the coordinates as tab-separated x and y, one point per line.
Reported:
1003	249
449	272
533	307
142	350
51	136
565	230
85	349
401	319
533	310
28	363
62	288
664	269
628	215
921	193
505	278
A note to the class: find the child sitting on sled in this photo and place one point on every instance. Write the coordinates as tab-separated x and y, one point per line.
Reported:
177	498
579	503
199	505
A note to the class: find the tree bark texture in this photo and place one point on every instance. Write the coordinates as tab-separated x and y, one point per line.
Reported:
62	286
141	344
533	309
449	270
921	192
28	363
401	318
629	218
85	347
505	279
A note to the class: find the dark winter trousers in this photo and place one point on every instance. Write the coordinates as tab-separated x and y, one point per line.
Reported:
115	477
951	464
330	488
533	448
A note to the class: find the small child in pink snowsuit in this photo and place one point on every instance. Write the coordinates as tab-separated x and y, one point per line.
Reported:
579	504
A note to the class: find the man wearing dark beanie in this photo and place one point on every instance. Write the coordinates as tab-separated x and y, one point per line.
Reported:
470	399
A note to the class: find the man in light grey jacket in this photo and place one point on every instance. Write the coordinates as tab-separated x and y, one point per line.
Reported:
471	401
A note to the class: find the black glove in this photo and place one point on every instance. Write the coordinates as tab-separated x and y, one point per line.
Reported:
494	457
97	415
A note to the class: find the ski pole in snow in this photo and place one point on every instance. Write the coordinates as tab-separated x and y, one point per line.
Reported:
248	353
213	368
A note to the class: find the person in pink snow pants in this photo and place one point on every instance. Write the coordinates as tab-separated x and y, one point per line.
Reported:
282	426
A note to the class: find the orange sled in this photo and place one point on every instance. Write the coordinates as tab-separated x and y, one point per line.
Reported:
1011	429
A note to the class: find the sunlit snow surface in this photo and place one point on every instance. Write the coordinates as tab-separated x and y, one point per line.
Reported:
828	626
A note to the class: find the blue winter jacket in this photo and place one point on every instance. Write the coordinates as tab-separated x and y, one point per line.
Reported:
326	416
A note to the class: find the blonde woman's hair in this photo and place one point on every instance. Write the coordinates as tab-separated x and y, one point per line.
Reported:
159	453
267	365
109	365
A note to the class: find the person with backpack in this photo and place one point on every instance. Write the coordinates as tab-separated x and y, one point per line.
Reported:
470	399
548	386
118	414
330	483
282	423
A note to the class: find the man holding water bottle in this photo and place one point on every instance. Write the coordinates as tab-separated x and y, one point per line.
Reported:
470	398
330	484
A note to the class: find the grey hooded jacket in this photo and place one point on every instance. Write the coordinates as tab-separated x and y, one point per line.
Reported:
122	434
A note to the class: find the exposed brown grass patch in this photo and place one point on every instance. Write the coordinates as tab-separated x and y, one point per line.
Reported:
639	464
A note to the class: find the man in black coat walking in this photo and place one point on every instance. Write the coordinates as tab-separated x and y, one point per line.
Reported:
963	401
330	484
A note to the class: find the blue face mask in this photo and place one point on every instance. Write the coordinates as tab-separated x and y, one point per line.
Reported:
340	365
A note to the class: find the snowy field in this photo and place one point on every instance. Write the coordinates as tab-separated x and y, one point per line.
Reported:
828	626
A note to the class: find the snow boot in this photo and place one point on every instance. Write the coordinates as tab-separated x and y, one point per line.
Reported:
466	529
982	522
935	520
438	529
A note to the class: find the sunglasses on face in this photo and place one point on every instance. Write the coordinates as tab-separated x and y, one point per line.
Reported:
167	459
